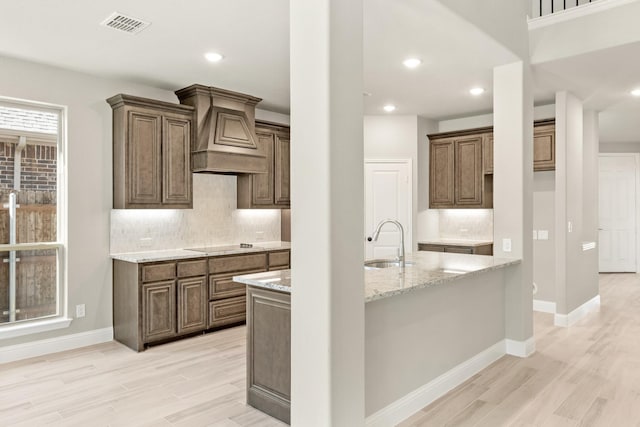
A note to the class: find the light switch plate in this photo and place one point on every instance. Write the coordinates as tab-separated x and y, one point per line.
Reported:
80	310
543	234
506	245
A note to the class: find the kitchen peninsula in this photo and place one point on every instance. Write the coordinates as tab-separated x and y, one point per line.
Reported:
443	310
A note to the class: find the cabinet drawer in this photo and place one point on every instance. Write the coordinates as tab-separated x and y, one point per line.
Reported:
225	287
278	259
192	268
237	263
156	272
227	311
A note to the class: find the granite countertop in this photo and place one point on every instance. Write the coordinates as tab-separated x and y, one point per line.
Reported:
429	269
456	242
199	252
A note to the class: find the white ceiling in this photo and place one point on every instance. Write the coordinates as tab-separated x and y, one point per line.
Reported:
253	36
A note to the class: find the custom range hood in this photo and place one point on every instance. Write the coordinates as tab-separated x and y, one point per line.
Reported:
226	140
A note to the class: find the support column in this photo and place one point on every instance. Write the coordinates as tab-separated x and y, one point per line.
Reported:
513	197
327	187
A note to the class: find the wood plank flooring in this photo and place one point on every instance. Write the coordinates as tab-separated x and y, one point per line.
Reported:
194	382
585	375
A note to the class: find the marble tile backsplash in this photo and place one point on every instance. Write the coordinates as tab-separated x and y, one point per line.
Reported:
214	220
471	224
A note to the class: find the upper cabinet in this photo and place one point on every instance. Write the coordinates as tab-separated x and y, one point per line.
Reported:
270	190
544	146
456	173
151	154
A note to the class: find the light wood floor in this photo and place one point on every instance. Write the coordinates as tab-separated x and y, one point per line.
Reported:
585	375
194	382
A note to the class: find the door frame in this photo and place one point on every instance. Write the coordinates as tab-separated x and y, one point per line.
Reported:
636	158
408	237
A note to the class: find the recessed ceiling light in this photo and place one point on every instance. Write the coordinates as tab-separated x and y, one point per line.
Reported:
213	56
389	108
412	62
635	92
476	91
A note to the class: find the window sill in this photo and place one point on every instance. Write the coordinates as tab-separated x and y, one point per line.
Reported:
28	328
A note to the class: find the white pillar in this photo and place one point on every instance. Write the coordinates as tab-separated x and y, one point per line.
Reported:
327	339
513	193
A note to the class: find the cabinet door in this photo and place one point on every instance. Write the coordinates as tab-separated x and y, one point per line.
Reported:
158	310
227	311
468	171
192	304
487	153
143	166
282	170
441	174
176	160
544	148
263	192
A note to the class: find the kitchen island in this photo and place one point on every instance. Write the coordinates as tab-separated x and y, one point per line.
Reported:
443	316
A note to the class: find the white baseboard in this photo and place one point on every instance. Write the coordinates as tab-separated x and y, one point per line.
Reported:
54	345
566	320
521	348
408	405
544	306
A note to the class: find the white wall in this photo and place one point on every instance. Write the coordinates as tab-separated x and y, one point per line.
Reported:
612	147
89	177
547	111
544	251
395	137
428	219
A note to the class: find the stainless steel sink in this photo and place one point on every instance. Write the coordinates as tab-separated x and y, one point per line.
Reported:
375	264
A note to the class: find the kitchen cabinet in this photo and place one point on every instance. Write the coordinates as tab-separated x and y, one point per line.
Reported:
456	173
151	154
155	302
269	352
476	249
544	146
270	190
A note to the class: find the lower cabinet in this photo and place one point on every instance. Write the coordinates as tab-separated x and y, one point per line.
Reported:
269	352
485	249
161	301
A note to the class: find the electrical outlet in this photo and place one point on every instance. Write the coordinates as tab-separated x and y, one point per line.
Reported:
259	236
145	242
570	227
506	245
543	234
80	310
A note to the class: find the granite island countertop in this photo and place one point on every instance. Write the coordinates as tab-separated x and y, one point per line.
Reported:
429	269
198	252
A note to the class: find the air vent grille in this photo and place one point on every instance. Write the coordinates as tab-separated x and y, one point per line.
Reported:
128	24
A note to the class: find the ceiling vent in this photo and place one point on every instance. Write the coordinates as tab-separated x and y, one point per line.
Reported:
128	24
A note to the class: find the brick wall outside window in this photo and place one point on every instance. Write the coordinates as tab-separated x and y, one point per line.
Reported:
39	167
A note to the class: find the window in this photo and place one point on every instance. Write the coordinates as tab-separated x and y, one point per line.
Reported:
32	217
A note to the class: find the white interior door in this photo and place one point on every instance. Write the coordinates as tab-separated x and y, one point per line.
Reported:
388	189
617	177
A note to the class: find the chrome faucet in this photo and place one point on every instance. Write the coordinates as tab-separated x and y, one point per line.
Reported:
376	234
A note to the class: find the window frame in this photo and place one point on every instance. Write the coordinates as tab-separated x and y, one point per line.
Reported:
61	319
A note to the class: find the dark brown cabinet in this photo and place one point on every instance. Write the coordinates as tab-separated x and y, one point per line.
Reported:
160	301
456	173
485	249
272	189
544	146
151	153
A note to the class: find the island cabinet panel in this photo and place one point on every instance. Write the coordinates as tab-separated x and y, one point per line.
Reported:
269	190
151	153
269	352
